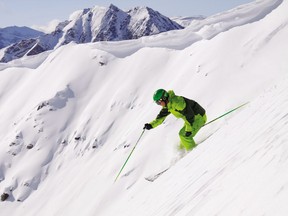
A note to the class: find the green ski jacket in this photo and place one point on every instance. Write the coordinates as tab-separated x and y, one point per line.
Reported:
180	107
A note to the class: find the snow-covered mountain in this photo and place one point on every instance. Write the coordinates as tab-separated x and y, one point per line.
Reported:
94	24
71	116
186	21
14	34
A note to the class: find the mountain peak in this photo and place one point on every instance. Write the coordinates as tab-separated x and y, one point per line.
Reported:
14	34
113	7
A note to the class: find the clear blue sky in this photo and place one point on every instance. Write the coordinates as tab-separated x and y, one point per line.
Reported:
41	12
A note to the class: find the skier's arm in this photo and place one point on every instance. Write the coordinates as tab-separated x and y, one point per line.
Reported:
160	117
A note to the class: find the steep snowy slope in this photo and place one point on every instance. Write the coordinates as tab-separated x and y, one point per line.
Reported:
70	119
240	170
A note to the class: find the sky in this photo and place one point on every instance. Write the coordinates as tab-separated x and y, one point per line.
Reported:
40	13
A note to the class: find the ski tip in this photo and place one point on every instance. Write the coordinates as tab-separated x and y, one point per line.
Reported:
149	179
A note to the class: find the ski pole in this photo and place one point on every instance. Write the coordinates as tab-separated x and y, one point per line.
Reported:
225	114
129	156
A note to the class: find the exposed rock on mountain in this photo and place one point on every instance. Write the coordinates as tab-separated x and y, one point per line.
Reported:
94	24
14	34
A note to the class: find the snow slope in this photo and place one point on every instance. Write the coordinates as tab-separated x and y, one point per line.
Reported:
81	108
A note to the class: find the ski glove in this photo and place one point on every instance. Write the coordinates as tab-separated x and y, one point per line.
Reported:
147	126
187	134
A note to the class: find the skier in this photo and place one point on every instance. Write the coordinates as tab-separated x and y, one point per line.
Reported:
190	111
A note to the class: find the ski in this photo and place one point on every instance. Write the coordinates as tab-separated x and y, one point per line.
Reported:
152	178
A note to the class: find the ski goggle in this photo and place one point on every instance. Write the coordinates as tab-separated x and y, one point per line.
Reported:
159	101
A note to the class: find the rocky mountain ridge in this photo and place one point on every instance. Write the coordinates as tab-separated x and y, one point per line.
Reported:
91	25
14	34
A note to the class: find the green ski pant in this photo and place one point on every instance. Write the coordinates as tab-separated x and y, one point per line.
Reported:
188	142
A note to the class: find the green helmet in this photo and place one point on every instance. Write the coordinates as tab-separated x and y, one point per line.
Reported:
160	94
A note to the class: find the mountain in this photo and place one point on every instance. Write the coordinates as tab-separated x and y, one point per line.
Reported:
145	21
94	24
14	34
186	21
71	116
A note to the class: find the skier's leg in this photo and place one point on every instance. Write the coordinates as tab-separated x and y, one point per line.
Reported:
188	142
